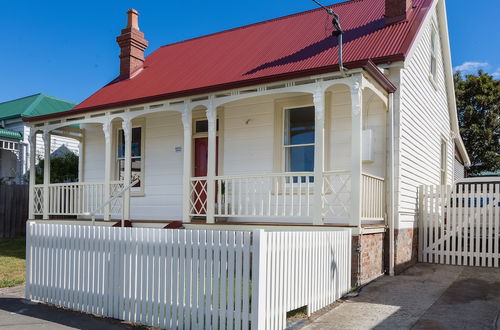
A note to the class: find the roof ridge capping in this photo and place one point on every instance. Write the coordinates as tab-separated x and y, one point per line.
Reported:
20	98
242	27
57	98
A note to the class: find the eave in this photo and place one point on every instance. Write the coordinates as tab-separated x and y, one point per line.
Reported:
367	65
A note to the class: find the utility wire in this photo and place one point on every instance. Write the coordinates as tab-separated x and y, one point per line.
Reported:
328	10
335	21
338	32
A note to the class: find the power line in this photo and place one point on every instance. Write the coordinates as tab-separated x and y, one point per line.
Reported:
338	32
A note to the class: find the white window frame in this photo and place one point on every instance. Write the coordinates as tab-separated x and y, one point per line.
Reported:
433	52
135	191
283	128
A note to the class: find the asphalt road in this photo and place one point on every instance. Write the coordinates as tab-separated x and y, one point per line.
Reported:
17	313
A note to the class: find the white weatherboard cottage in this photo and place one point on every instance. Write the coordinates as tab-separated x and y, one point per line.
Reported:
310	144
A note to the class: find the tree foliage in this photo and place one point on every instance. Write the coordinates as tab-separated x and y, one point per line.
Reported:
478	105
62	169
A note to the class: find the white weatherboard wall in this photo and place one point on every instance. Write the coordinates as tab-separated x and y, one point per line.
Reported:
192	279
424	120
458	170
162	198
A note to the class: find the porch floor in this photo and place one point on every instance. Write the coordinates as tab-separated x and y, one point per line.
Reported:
144	223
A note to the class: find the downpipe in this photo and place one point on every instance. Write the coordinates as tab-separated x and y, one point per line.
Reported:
391	186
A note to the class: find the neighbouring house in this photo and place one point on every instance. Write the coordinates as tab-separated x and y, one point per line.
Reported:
14	133
259	126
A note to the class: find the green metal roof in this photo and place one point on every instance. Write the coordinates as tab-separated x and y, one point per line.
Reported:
7	133
34	105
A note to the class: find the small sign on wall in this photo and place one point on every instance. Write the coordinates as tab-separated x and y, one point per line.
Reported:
178	149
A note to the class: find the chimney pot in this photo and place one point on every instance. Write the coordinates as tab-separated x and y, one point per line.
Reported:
397	10
132	45
133	19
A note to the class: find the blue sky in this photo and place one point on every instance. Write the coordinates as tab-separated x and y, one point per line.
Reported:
67	48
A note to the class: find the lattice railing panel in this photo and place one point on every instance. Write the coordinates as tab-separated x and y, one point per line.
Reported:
337	195
198	200
38	200
116	206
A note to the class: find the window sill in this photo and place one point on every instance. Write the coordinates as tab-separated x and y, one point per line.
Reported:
137	194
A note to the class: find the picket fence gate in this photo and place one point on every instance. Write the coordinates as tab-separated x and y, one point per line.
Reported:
460	224
186	279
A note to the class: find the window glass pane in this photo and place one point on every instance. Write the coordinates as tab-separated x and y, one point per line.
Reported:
136	171
121	144
299	126
121	169
136	141
201	126
299	159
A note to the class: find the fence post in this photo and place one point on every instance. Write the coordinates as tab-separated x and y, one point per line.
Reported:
259	271
27	291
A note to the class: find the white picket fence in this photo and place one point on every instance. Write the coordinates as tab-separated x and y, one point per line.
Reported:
186	279
460	225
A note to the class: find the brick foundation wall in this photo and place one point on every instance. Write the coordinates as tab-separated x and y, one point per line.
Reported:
406	249
367	258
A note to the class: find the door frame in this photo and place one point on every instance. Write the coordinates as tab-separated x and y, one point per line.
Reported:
200	115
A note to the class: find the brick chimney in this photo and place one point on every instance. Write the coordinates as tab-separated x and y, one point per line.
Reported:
132	45
397	10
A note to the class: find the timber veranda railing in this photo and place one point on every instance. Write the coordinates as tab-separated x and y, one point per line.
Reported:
78	198
187	279
287	195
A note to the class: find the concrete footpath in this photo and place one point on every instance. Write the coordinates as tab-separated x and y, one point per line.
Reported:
17	313
424	297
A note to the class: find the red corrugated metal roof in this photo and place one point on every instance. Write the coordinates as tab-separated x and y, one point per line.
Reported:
291	45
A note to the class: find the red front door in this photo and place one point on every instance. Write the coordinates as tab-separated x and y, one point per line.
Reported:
200	169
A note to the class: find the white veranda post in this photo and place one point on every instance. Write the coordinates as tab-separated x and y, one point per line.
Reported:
106	127
81	157
32	141
356	150
211	163
186	179
127	171
46	174
319	152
